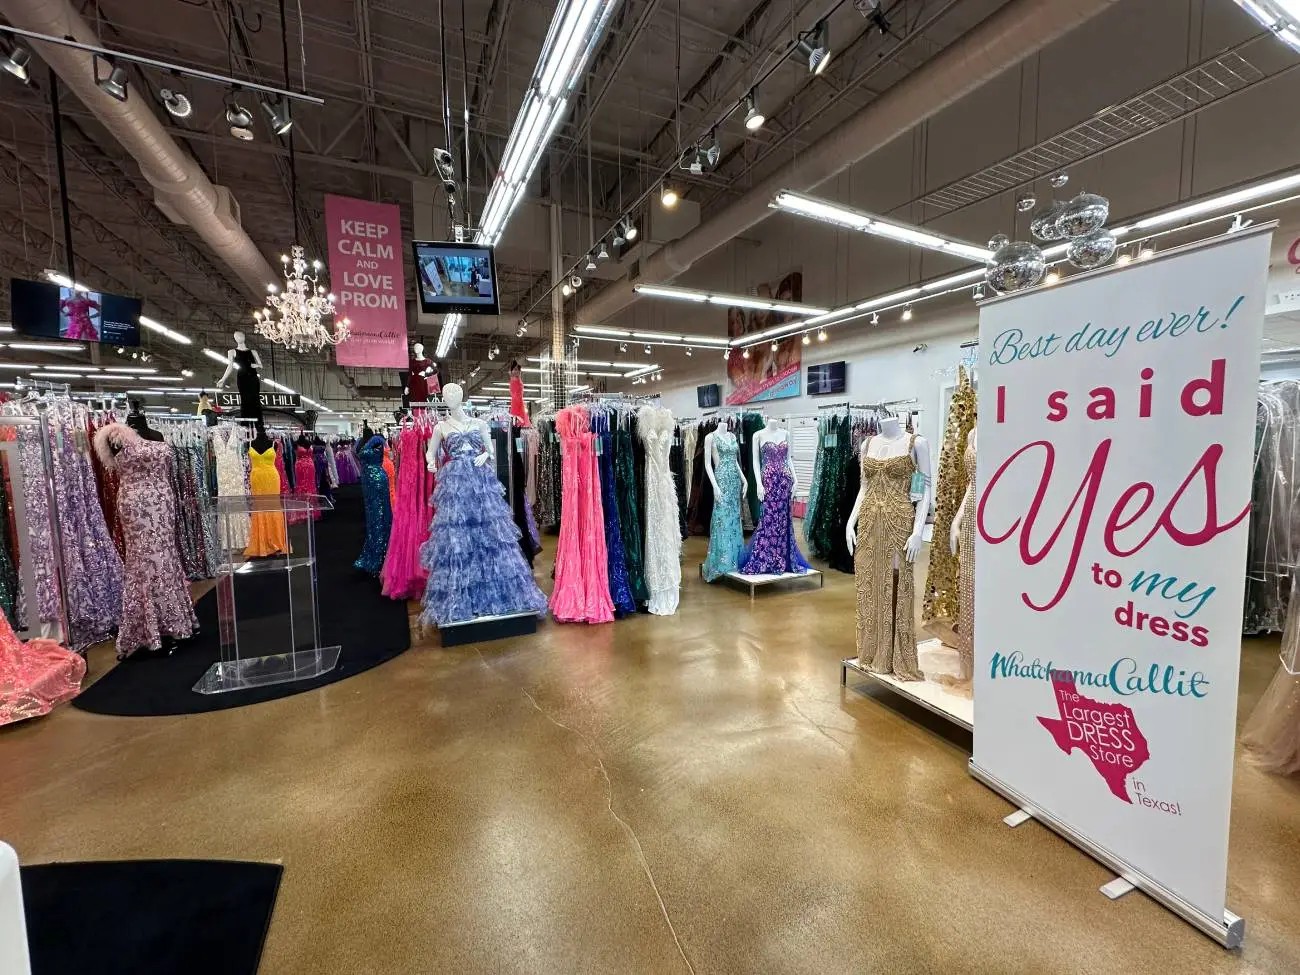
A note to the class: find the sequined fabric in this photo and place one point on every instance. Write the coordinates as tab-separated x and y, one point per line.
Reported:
774	550
266	530
884	578
629	516
404	576
8	562
725	535
228	445
620	589
942	592
663	539
379	511
581	591
966	569
36	676
155	596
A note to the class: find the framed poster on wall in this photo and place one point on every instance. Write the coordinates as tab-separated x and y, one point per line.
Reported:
768	373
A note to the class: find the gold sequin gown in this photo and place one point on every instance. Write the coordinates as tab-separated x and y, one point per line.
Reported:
966	570
886	598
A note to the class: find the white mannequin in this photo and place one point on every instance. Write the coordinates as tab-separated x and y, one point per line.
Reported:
711	458
458	421
892	442
231	365
772	433
954	534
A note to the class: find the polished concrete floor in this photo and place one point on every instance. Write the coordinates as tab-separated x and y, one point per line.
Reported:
689	794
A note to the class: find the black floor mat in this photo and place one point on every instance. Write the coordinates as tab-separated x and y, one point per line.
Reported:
354	614
127	917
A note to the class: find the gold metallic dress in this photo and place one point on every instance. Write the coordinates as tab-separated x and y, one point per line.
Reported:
966	570
886	599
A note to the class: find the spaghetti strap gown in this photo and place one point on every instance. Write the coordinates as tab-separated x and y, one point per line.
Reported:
886	600
726	538
266	533
774	550
379	509
404	576
581	592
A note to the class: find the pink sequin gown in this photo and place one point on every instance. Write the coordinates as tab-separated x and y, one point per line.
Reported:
155	593
304	481
581	593
36	676
403	576
80	324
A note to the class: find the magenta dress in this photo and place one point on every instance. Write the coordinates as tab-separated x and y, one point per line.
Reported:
155	593
35	676
80	324
304	481
403	576
581	593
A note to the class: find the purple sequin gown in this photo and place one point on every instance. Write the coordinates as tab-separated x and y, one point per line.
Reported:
773	549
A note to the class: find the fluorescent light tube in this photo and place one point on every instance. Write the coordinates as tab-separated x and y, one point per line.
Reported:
819	210
47	346
602	330
163	330
1224	201
661	291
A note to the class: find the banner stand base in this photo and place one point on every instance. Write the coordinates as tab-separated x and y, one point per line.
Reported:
1229	930
1117	888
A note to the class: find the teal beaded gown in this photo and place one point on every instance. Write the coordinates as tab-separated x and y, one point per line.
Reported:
726	538
379	511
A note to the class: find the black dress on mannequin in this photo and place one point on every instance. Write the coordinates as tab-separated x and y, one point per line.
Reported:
137	421
250	386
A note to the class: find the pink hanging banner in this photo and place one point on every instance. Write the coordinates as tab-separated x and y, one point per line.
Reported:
365	242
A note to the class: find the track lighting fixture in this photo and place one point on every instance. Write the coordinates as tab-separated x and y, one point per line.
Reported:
622	346
115	83
176	102
668	196
745	354
875	318
726	355
1147	252
565	289
239	119
16	61
907	314
978	293
754	119
121	351
774	346
689	352
1124	258
277	111
1052	278
703	155
591	263
624	232
646	350
806	339
602	253
814	46
821	335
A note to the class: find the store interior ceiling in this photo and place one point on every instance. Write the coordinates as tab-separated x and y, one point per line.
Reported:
665	76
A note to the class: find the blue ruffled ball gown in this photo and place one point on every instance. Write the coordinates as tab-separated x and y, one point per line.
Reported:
475	565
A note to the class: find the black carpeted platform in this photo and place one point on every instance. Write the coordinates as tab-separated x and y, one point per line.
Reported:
197	917
353	614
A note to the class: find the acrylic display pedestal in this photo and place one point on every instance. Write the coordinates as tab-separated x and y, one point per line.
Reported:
932	695
14	959
757	583
266	605
484	628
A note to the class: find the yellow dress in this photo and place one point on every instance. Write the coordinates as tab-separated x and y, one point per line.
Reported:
266	535
886	607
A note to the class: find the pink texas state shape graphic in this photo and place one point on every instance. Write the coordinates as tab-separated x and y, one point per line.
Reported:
1106	733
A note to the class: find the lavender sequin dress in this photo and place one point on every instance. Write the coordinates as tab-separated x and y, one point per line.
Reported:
773	550
156	596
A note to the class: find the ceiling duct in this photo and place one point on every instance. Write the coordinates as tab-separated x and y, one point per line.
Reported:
999	42
181	189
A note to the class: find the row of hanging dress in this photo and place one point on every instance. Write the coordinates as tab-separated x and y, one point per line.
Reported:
378	503
1273	545
943	605
403	575
836	479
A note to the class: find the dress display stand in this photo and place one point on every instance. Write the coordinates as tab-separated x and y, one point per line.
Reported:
267	608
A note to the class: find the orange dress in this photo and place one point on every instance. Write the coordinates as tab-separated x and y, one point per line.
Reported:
266	534
391	471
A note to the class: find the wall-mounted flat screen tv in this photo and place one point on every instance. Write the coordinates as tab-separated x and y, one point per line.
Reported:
45	310
708	397
826	379
456	278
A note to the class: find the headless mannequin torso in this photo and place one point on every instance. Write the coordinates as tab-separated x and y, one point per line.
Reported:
772	433
892	441
457	421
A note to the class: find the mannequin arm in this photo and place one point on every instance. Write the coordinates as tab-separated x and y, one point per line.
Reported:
954	533
758	483
744	484
431	452
708	463
851	528
257	361
794	478
921	455
489	448
230	367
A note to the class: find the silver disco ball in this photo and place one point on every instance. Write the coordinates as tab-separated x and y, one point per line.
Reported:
1092	250
1026	202
1015	266
998	241
1043	223
1059	179
1082	215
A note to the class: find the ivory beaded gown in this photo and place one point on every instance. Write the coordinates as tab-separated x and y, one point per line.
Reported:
663	539
228	446
886	610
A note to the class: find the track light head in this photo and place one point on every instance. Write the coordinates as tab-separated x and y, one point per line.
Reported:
689	352
807	340
629	229
16	61
754	118
177	103
622	346
815	47
591	262
821	335
277	111
668	196
239	119
116	83
602	252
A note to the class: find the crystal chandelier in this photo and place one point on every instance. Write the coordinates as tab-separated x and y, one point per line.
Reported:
298	315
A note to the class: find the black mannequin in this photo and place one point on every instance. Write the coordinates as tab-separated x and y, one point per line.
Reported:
366	432
135	419
303	440
261	442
